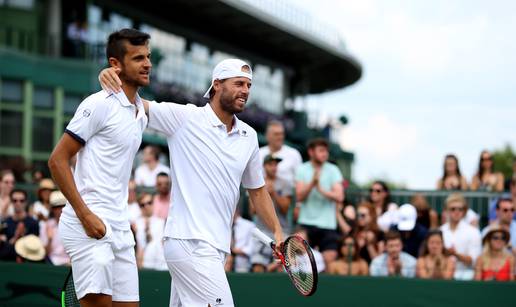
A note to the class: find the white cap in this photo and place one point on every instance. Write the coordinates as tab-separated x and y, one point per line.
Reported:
407	216
229	68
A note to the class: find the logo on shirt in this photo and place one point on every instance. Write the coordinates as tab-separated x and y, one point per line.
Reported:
86	113
243	133
218	302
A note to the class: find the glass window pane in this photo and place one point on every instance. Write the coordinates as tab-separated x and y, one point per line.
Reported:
42	134
71	102
11	128
43	98
12	91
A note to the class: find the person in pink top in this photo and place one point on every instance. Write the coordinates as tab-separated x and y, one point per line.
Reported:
162	199
50	236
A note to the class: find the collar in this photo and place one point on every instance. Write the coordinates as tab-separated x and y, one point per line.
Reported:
216	122
122	98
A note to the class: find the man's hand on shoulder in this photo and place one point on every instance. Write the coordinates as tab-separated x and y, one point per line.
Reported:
109	80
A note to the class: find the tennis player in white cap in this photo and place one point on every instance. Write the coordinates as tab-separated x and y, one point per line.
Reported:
212	153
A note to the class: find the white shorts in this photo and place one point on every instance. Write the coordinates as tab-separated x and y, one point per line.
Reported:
106	266
198	276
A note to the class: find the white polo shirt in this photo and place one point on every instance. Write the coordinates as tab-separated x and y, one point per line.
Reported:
466	240
111	133
207	166
291	160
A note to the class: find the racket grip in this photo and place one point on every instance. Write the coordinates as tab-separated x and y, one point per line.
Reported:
262	237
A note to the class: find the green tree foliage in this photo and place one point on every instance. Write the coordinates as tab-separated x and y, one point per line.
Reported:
503	160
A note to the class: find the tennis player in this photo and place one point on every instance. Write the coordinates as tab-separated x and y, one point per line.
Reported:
105	133
212	153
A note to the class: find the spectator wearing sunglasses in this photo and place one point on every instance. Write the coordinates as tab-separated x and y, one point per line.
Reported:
504	219
461	240
149	232
386	210
369	237
495	263
486	179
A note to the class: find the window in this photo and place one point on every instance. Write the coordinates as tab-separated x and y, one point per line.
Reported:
11	128
43	98
42	134
71	102
12	91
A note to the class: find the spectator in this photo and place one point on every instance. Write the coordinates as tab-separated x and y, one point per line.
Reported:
370	239
37	176
6	186
281	194
426	216
49	233
460	238
349	262
146	174
434	262
394	262
242	243
495	263
132	203
412	233
291	158
148	228
504	219
452	178
162	199
486	179
29	249
508	181
41	208
380	197
319	188
346	217
20	224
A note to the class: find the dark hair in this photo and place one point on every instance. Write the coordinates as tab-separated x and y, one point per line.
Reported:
318	142
154	151
356	251
143	195
115	47
18	191
454	157
480	171
423	251
162	174
501	199
387	199
392	235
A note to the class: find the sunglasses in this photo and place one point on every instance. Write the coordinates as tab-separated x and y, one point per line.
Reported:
453	209
507	210
486	158
18	200
145	204
375	190
362	215
498	238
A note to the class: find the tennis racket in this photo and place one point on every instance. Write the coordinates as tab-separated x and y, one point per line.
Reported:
297	259
68	296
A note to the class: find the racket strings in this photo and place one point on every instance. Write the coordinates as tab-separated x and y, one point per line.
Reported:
299	265
70	298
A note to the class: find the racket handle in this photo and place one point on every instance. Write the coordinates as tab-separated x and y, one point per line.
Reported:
262	237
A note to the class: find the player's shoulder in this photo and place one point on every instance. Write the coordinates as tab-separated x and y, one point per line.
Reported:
100	99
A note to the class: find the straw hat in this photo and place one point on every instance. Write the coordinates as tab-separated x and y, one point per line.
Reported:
57	199
46	184
494	229
30	247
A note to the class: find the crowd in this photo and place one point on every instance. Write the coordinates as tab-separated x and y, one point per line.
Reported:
373	237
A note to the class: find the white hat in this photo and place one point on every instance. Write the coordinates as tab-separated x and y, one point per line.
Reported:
407	216
30	247
229	68
57	199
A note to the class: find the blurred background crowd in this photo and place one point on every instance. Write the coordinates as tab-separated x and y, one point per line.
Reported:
350	234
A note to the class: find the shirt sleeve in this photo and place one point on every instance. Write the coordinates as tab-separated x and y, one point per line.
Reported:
89	119
302	174
253	173
167	117
337	176
475	244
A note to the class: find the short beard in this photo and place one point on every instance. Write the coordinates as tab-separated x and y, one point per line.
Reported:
226	103
126	79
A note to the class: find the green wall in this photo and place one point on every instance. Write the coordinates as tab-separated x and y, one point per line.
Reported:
39	285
